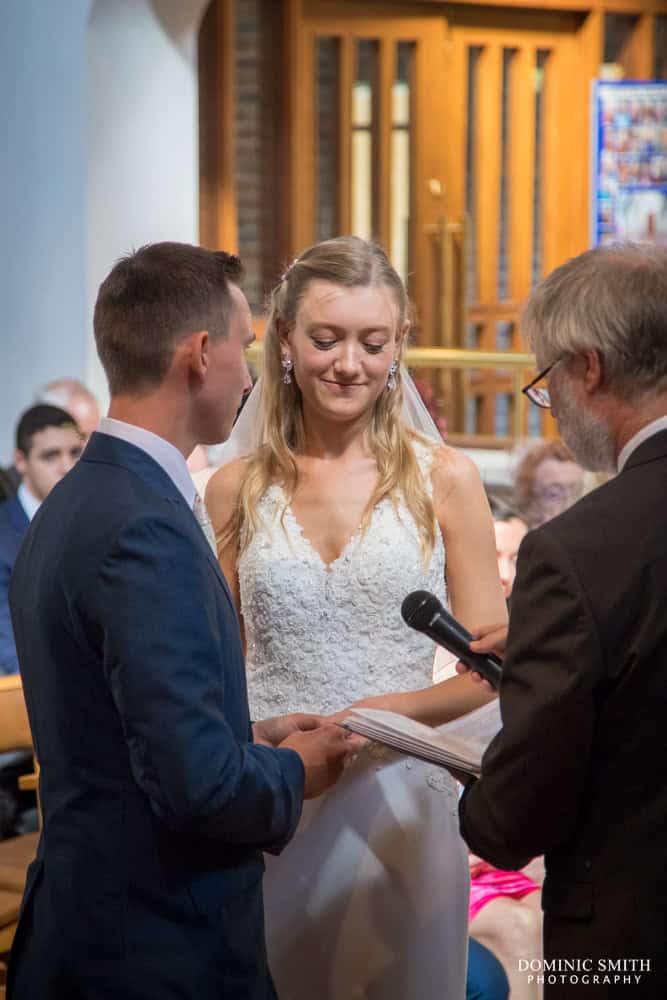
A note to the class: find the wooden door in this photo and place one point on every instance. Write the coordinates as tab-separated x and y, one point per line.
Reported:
372	84
457	137
518	83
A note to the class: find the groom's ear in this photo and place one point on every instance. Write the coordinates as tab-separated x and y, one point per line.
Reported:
196	352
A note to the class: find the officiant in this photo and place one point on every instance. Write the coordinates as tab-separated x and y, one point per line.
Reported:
578	771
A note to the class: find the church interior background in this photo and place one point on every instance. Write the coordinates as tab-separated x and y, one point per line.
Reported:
456	134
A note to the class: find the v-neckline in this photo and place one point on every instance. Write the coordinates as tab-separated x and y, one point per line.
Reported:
291	516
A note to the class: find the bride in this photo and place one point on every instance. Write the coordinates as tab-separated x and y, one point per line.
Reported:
344	500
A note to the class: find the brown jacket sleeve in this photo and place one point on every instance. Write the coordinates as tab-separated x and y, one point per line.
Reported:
534	772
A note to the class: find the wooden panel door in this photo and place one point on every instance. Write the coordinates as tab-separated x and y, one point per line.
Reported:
518	84
457	137
368	163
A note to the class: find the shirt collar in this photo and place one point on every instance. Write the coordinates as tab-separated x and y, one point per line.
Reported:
29	503
642	435
167	456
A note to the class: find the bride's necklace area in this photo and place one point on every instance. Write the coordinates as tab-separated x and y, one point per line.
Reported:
324	510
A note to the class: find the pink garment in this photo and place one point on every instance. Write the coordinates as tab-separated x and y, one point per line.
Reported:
492	882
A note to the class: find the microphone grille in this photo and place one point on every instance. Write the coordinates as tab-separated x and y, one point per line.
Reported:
419	607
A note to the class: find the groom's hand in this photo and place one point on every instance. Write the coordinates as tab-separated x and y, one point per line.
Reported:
272	732
323	751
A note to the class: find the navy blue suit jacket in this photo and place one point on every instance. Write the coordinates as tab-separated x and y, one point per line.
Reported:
156	806
13	526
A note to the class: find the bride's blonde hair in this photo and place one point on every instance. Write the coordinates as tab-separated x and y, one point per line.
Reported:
349	262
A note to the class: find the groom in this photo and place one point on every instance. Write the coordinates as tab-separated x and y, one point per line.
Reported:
157	803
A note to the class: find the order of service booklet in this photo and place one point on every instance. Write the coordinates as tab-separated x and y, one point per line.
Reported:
459	744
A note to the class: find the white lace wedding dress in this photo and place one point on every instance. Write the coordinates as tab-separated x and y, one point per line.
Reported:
369	901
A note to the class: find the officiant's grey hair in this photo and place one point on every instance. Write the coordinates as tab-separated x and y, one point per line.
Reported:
612	300
153	298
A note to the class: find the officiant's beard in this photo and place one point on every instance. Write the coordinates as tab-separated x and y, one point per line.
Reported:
586	435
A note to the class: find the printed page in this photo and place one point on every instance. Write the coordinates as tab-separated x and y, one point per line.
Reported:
462	748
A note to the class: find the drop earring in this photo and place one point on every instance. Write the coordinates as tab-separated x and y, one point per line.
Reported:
288	365
391	378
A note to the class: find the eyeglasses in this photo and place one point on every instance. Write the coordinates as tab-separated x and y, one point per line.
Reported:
540	394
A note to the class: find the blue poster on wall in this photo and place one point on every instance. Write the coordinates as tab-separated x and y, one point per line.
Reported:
629	161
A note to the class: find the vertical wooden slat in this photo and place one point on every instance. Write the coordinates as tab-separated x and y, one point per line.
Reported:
309	131
637	54
294	73
453	134
564	151
488	84
429	174
521	176
299	127
345	83
521	195
226	209
273	207
382	154
552	162
589	49
454	102
217	209
488	167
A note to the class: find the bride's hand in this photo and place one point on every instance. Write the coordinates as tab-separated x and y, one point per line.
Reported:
384	701
489	639
338	717
272	732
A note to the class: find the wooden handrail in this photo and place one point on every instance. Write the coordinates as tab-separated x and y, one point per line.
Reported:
463	360
442	357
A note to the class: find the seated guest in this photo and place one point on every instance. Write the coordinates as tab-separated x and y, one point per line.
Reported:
9	482
486	979
505	913
48	443
506	917
73	396
509	529
70	395
547	480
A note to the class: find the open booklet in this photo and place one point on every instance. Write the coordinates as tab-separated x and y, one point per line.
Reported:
459	744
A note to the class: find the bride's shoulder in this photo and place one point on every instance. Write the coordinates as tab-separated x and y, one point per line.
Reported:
224	487
453	473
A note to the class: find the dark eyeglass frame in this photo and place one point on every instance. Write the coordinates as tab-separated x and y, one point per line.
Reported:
540	396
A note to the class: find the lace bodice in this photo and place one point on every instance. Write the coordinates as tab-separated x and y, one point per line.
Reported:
321	636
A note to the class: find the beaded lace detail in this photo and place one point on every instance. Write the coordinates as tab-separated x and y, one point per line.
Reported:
322	636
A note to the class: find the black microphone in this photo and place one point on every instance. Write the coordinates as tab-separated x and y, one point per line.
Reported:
423	611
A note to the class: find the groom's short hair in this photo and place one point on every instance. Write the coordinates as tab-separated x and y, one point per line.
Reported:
151	299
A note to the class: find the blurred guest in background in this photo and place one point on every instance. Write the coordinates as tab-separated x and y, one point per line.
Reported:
547	480
9	483
48	443
505	913
509	529
73	396
70	395
486	979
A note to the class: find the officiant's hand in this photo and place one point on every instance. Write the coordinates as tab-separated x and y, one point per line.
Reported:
323	751
272	732
489	639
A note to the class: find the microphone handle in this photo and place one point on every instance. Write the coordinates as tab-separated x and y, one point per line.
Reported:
456	640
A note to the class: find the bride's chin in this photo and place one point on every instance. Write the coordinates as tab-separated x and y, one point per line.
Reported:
346	413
